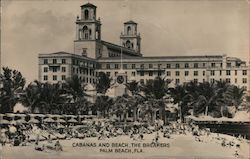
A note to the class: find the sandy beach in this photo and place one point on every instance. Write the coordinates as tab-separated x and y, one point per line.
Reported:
177	147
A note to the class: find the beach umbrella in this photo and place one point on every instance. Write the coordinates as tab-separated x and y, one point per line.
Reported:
21	121
49	120
33	120
21	115
61	121
10	114
3	121
41	115
72	120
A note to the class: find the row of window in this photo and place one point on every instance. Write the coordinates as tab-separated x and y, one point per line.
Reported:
54	69
63	78
54	61
74	62
228	80
177	65
177	73
90	72
54	77
228	72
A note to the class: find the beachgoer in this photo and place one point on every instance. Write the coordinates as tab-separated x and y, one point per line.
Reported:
58	146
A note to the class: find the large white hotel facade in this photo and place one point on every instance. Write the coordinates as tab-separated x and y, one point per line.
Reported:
92	55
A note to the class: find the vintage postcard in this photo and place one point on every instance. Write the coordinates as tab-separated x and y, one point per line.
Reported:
122	79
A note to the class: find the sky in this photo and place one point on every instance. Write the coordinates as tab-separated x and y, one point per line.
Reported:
167	28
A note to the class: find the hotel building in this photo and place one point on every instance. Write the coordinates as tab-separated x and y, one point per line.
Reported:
93	55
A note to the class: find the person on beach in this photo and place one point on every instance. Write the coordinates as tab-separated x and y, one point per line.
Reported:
58	146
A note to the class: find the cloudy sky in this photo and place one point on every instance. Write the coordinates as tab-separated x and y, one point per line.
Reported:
167	27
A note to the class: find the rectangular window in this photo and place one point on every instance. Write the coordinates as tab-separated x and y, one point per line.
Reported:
150	66
186	73
220	72
142	73
195	65
195	73
186	65
159	66
63	69
204	73
228	72
54	77
159	73
63	61
63	77
235	80
45	69
195	80
177	65
212	64
168	66
244	72
212	73
228	80
45	78
54	69
244	80
142	66
177	81
150	73
168	73
116	73
228	64
133	66
125	66
54	61
212	80
108	66
116	66
204	64
177	73
45	61
235	72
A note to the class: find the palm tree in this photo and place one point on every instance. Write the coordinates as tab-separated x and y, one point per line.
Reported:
103	84
31	96
155	90
136	98
52	98
181	96
104	104
237	95
12	85
75	91
208	97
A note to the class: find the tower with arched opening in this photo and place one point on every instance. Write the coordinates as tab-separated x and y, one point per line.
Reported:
130	38
88	32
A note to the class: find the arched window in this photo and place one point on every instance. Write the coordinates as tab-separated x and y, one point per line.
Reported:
128	30
132	45
85	32
128	44
86	14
